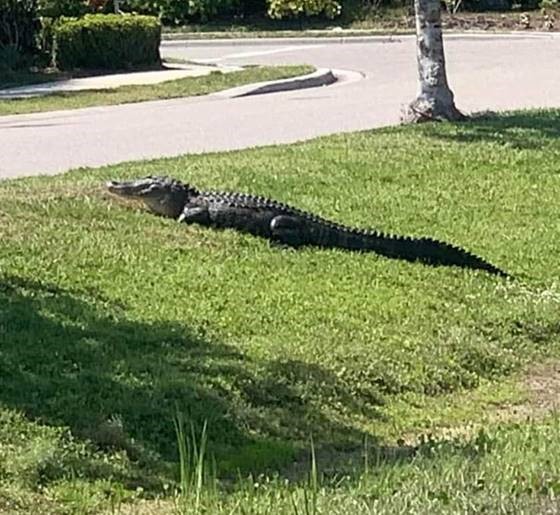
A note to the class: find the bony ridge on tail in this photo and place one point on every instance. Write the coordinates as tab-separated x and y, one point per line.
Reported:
288	225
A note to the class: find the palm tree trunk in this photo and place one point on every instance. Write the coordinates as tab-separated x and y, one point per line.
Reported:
435	98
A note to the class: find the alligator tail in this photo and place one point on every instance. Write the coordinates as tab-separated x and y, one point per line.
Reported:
425	250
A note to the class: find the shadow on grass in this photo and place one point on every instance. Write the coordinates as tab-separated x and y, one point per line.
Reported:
520	130
73	359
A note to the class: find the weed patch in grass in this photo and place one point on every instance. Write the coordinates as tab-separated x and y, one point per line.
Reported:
507	469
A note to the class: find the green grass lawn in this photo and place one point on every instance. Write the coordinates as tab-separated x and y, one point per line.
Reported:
114	321
189	86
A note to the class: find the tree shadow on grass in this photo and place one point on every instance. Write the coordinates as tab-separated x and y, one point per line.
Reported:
72	358
520	130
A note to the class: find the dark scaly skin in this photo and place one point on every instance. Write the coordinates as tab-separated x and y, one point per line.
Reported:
282	223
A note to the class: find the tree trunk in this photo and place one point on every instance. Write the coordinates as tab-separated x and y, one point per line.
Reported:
435	98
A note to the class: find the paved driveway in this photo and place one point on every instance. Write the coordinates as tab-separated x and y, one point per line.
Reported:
486	72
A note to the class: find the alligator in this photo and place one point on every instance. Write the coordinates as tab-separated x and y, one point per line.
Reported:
285	224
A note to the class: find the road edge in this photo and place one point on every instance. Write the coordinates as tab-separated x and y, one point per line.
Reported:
318	78
390	37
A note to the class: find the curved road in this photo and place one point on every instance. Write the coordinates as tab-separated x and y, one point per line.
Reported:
485	71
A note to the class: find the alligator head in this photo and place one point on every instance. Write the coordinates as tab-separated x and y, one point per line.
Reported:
163	195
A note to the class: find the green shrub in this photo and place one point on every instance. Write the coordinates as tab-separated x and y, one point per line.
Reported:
107	41
498	5
293	8
51	11
11	59
19	26
180	12
486	5
58	8
205	10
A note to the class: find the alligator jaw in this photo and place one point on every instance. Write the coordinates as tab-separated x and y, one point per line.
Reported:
136	188
162	195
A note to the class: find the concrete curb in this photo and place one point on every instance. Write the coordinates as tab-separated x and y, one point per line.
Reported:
311	40
341	39
320	77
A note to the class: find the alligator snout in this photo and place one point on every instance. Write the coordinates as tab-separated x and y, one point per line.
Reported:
111	185
125	188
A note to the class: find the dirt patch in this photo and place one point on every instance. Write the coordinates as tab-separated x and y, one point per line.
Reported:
541	20
542	384
525	21
539	396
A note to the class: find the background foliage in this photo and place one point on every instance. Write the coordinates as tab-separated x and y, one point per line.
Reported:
19	26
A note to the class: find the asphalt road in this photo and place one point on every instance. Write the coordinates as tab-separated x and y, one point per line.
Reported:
485	72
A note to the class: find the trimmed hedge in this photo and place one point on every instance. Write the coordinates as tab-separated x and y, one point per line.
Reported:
107	41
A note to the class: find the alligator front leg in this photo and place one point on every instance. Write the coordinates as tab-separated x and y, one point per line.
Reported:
288	230
195	215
